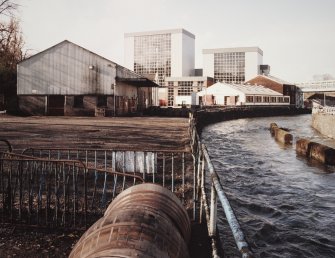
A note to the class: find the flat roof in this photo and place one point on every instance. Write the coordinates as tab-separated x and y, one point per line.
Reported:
158	32
232	49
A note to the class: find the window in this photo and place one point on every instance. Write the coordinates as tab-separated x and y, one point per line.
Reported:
266	99
78	101
273	99
229	67
102	101
185	88
258	99
250	99
170	95
152	55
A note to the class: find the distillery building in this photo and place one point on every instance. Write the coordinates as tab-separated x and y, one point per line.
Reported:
67	79
232	65
160	54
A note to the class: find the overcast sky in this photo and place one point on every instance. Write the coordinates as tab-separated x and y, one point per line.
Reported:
296	36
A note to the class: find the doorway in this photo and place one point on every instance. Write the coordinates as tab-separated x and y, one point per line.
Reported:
56	105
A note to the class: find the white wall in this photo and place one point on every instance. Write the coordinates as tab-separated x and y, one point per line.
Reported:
129	52
188	55
252	62
208	65
186	99
176	55
220	91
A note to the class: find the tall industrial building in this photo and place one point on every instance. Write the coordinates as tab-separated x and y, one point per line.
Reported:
232	65
160	54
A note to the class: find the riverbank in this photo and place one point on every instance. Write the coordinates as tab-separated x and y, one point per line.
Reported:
136	133
214	115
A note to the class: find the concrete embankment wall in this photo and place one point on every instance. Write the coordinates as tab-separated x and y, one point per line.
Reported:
324	123
206	117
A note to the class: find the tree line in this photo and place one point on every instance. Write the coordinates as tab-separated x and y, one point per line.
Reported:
11	53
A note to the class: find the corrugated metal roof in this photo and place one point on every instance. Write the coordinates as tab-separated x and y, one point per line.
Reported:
122	73
248	89
276	79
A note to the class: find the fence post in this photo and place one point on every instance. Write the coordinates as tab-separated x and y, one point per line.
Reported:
213	213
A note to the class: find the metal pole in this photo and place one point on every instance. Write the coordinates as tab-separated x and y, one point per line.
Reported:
233	222
213	212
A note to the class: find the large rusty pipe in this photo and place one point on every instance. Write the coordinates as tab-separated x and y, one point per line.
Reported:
145	220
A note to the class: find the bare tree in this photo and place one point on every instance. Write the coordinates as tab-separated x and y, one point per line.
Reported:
11	44
11	52
8	7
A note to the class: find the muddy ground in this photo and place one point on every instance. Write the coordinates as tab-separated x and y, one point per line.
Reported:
138	133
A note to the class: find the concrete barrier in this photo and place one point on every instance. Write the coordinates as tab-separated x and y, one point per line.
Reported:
317	151
281	134
322	153
273	126
302	147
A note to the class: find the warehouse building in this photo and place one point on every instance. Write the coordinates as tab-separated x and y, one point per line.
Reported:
277	84
67	79
224	94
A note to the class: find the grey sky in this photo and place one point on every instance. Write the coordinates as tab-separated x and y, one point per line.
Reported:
297	36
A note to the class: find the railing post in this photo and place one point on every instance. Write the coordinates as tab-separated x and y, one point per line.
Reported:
202	186
213	212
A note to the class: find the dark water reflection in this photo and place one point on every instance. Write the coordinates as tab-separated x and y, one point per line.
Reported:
285	204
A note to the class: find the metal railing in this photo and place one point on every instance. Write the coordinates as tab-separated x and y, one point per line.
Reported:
208	200
319	109
169	169
56	193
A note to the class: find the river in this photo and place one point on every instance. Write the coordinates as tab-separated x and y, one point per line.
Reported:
285	204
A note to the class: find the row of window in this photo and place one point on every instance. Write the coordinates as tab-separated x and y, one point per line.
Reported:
192	83
267	99
152	55
229	67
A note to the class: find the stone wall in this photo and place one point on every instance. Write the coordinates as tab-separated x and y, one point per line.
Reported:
324	123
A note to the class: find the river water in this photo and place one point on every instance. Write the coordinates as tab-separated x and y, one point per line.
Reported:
285	204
